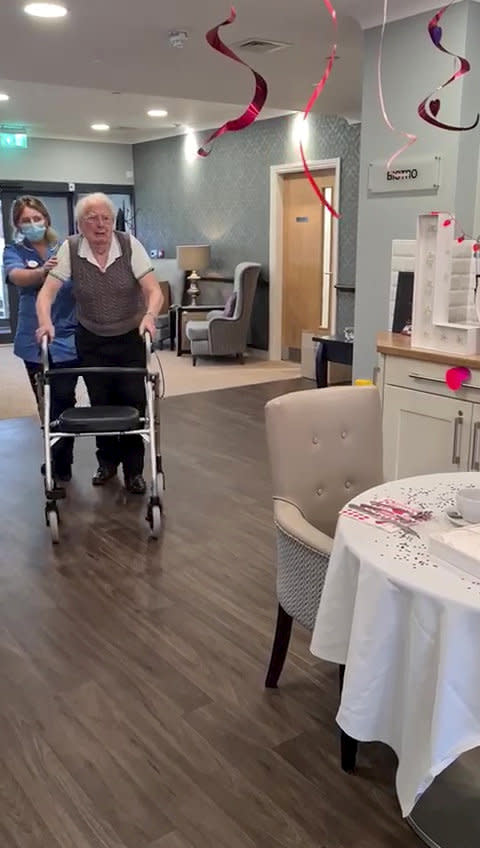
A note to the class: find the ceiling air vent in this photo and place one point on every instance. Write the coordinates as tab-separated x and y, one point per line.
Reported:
260	45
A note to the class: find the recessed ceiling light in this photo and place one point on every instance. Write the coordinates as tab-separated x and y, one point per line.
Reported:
4	97
157	113
45	10
100	127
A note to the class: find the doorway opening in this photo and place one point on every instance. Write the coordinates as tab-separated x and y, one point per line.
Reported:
303	256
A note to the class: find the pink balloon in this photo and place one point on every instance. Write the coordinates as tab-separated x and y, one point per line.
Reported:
455	377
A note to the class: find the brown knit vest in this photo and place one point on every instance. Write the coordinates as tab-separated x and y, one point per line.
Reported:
109	302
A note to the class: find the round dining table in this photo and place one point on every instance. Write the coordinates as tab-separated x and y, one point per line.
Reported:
406	626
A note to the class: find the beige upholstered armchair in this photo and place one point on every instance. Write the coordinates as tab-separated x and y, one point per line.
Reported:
220	335
325	447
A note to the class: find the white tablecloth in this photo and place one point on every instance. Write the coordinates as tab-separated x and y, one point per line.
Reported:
408	631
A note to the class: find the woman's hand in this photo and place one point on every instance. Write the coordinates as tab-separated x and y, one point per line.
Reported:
49	264
47	330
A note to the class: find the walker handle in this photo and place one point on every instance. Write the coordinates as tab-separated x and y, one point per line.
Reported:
44	350
147	337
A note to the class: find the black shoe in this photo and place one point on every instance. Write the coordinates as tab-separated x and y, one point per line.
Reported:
103	474
135	485
62	477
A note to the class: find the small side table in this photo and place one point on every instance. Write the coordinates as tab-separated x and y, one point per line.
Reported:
330	349
176	313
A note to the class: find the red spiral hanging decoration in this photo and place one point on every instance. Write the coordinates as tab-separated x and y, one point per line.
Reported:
411	138
261	89
316	93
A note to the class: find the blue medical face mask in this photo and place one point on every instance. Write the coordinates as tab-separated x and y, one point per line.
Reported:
33	232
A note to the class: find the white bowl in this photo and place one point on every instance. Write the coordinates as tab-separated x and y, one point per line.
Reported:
468	505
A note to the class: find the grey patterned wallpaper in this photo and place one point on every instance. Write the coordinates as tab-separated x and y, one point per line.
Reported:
224	200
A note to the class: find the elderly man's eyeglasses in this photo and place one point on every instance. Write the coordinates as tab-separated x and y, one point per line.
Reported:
98	219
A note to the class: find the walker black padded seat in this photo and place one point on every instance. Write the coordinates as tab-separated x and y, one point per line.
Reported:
99	419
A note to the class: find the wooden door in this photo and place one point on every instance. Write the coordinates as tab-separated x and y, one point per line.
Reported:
306	260
424	433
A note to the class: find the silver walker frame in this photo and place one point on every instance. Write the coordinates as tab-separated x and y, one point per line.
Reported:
150	433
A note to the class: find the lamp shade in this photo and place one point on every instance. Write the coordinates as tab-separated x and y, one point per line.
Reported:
193	257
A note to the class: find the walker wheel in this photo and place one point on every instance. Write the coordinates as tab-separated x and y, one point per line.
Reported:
52	521
154	518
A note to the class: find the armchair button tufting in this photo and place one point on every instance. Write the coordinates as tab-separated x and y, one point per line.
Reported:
348	484
344	435
319	491
315	440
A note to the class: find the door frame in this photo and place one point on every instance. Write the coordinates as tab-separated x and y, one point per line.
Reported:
277	175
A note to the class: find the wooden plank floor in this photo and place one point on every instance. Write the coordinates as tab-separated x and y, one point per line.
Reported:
132	707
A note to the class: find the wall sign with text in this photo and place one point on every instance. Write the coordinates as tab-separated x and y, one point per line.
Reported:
421	174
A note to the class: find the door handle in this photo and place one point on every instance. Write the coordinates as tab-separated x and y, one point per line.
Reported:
376	372
475	466
456	431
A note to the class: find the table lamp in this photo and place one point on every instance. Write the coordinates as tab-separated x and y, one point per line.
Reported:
193	258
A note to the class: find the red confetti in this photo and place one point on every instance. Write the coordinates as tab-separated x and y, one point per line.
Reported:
316	93
261	89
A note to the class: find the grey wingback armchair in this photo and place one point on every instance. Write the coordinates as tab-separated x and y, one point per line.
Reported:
172	282
220	335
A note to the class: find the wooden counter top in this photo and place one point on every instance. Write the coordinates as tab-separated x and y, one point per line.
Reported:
394	344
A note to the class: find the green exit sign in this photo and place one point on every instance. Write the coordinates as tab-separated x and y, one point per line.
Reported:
13	140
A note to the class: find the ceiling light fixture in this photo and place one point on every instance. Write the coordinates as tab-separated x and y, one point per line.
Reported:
45	10
157	113
100	127
4	97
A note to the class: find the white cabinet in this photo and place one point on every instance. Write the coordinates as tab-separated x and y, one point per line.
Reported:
424	433
427	428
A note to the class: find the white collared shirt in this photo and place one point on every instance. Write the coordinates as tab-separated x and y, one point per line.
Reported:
140	263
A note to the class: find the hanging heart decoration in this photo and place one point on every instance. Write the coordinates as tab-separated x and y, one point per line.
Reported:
429	108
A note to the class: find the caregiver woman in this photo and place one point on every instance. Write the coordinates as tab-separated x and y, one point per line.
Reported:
27	262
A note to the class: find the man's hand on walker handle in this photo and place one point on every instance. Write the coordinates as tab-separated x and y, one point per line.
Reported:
47	330
147	325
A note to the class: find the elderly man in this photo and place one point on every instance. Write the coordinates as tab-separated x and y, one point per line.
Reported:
117	299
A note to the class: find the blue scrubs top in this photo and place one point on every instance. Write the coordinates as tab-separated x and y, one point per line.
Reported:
23	255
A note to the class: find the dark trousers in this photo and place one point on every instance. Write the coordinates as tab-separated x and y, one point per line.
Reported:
62	396
125	351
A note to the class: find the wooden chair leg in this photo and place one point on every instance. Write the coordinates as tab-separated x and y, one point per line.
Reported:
194	360
281	641
348	746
